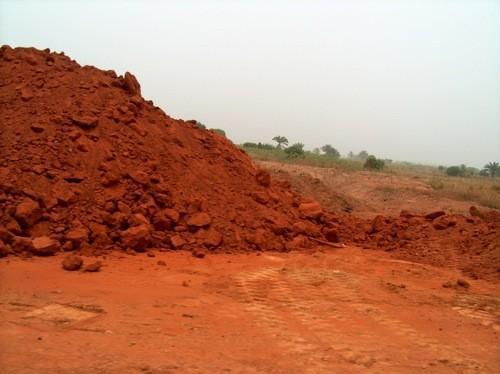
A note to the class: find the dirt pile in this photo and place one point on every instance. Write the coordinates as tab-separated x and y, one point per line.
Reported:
469	243
88	165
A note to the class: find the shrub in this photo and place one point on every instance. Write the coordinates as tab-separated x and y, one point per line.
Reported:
250	145
373	163
454	171
330	151
295	151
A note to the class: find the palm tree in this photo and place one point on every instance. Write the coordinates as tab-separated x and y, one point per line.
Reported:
281	140
492	168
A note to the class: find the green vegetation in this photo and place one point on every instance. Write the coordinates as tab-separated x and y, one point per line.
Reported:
281	140
458	182
330	151
268	152
374	163
295	151
491	169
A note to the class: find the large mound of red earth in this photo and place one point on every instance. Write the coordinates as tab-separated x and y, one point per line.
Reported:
87	164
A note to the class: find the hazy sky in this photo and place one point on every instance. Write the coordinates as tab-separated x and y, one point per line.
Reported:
408	80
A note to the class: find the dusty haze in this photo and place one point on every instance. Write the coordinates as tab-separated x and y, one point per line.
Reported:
406	80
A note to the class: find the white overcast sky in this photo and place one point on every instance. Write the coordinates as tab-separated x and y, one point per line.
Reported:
415	80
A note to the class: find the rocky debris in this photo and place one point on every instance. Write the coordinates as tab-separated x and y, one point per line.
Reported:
44	246
177	241
433	215
474	212
311	210
72	263
443	222
263	178
4	249
379	223
28	212
212	239
86	122
200	219
198	254
331	235
463	283
93	267
136	237
21	244
161	263
37	128
131	84
460	283
77	236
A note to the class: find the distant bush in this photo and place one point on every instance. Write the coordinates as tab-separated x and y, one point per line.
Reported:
374	163
249	145
258	145
295	151
363	155
455	171
201	125
330	151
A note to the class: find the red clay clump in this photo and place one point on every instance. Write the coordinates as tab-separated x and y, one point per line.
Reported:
88	165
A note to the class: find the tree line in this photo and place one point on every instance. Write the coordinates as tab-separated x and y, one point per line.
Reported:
296	150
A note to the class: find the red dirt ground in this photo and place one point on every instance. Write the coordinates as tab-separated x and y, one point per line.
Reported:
343	310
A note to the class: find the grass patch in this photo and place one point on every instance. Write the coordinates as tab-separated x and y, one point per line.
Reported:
309	158
484	191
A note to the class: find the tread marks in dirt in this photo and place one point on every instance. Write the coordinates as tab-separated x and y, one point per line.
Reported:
485	309
334	324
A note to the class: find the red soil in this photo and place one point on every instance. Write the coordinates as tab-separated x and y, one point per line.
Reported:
88	165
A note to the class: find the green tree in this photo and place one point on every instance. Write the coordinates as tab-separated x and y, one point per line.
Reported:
330	151
493	168
363	155
295	151
454	171
281	140
373	163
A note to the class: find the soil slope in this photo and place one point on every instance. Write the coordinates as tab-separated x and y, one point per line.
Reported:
87	164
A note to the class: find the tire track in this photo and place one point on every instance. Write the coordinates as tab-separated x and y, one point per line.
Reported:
335	321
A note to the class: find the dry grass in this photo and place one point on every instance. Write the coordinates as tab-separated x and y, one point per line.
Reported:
484	191
481	190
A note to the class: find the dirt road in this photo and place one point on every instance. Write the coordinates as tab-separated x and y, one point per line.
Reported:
333	310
